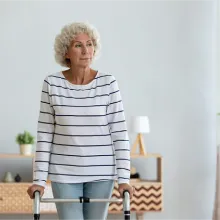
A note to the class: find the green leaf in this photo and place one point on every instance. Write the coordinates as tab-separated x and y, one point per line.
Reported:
25	138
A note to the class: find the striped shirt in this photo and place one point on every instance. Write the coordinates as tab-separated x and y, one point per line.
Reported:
82	134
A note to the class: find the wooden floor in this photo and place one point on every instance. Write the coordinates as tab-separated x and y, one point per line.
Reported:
51	216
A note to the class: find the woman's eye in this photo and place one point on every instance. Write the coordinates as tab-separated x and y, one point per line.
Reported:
77	45
90	44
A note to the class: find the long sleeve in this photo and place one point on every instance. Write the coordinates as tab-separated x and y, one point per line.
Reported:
45	134
119	134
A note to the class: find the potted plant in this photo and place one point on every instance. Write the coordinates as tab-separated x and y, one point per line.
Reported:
26	141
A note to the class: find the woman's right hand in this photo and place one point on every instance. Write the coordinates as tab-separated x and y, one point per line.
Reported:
34	188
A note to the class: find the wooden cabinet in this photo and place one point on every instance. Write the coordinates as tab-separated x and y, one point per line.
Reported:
148	197
14	198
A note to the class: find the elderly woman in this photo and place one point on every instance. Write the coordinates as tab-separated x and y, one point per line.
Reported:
82	144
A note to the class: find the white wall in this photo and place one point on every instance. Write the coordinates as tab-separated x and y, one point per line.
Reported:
162	54
218	73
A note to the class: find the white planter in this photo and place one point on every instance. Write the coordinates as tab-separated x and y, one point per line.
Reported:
26	149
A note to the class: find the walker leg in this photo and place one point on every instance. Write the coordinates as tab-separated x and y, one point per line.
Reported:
36	216
36	205
126	205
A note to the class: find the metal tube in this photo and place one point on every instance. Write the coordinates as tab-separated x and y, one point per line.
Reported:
47	200
36	205
126	205
38	199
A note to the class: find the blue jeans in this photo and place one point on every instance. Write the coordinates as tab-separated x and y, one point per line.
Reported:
83	211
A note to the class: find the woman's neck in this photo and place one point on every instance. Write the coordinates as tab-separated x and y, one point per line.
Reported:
79	76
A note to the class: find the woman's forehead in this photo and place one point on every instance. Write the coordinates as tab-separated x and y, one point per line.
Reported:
82	37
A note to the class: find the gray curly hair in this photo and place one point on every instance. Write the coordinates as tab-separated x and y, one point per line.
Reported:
65	38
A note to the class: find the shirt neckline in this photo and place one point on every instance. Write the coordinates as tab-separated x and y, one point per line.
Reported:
78	86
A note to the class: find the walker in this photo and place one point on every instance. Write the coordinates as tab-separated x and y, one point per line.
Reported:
38	199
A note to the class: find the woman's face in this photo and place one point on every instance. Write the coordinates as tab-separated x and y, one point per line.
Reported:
81	51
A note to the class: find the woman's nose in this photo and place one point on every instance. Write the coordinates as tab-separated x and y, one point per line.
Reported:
85	50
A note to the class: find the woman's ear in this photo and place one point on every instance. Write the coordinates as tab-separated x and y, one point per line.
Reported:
67	55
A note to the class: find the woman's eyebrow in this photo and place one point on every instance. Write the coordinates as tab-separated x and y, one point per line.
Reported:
76	41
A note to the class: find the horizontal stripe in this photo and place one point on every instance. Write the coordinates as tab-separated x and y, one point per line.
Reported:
122	159
39	180
71	97
72	135
123	169
98	77
41	122
41	151
81	115
73	145
112	103
45	102
115	112
82	174
80	106
112	82
41	171
44	132
123	178
86	125
113	92
114	122
79	90
58	77
119	140
74	165
44	142
83	125
118	131
85	106
46	112
110	155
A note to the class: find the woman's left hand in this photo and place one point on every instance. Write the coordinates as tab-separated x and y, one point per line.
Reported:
124	186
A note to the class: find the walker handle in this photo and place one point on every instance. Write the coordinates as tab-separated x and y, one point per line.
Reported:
36	205
126	205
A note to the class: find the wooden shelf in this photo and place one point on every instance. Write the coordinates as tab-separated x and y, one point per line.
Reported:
143	181
17	183
148	155
16	156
